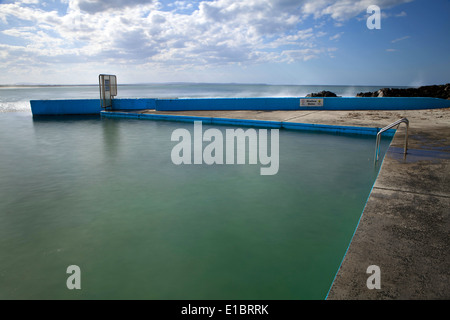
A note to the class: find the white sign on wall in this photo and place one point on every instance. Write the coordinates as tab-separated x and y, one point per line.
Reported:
311	102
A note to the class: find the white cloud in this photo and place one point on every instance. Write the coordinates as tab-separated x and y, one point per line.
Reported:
342	10
400	39
95	6
336	36
291	56
384	14
182	34
28	1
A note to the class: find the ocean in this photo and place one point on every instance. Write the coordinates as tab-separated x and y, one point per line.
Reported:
17	99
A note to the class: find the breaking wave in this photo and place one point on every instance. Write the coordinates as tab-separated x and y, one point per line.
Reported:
15	106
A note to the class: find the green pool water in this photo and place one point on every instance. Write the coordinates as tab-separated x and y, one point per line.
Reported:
103	194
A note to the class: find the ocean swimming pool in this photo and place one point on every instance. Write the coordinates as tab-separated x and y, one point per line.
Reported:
104	194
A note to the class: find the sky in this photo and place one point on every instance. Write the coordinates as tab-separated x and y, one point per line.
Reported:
299	42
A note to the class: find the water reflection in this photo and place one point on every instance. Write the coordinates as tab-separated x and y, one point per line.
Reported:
110	138
414	155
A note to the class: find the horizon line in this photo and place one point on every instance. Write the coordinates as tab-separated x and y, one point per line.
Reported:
210	83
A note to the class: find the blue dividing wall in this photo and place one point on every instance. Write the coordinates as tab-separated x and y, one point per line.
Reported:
92	106
250	123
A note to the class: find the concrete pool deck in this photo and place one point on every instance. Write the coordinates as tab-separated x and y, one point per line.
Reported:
405	226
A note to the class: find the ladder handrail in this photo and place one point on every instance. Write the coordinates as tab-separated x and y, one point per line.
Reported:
396	123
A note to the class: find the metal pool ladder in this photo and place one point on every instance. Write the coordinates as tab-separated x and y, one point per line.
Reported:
396	123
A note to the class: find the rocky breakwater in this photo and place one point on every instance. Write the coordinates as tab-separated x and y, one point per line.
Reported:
436	91
321	94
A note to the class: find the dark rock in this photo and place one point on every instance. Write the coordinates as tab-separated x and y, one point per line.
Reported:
321	94
367	94
441	91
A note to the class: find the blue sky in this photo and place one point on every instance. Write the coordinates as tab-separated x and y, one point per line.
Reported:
323	42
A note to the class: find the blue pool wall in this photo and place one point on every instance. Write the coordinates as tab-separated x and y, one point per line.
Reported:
86	106
63	107
92	106
294	104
